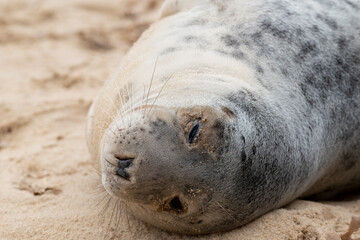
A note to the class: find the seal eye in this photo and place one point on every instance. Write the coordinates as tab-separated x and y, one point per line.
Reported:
194	132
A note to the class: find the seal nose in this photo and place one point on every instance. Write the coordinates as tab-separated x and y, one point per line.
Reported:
123	162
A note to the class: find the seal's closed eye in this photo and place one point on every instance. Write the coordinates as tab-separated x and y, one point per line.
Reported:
194	132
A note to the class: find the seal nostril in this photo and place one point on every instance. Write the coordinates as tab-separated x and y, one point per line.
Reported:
122	173
123	163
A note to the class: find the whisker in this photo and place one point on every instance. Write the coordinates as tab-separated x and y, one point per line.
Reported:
104	126
117	112
108	109
106	206
112	132
106	195
111	218
128	94
143	99
159	94
127	220
129	211
117	214
122	109
227	212
152	77
131	102
108	126
110	100
99	190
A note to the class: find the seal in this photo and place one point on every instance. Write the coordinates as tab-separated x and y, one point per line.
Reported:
225	110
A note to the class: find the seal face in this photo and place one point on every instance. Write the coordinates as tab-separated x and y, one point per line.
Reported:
167	165
225	110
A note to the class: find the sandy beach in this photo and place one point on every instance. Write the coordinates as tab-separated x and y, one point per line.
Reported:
54	58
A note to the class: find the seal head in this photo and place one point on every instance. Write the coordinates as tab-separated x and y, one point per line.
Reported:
168	167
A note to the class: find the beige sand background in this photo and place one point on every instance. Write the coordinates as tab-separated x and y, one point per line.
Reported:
54	57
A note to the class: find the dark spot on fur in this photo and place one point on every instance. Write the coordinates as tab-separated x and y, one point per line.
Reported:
348	161
256	36
243	156
307	94
159	123
218	125
222	135
259	69
285	72
230	41
227	111
197	22
238	54
169	50
353	4
330	22
190	38
315	29
299	32
342	43
254	150
306	49
275	29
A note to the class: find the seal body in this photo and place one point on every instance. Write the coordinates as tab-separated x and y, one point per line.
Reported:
225	110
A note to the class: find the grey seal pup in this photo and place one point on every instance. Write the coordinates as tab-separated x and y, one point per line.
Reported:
225	110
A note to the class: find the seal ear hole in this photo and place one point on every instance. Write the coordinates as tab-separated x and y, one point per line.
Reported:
194	132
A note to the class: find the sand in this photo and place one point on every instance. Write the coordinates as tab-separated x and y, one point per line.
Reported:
54	57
